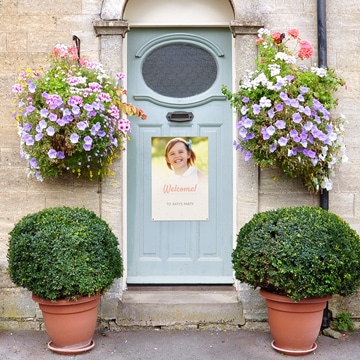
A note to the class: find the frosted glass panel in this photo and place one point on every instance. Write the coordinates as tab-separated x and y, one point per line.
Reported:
179	70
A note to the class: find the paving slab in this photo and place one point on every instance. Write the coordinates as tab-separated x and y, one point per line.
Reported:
163	344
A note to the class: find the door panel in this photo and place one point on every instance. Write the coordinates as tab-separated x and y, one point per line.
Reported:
180	252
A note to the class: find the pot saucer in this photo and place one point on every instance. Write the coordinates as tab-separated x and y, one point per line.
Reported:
294	352
70	351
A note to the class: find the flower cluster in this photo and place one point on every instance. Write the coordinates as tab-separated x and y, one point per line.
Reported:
72	118
284	111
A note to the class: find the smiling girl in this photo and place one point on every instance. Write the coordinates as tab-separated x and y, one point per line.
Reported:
180	158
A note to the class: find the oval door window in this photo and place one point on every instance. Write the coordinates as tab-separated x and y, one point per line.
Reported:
179	70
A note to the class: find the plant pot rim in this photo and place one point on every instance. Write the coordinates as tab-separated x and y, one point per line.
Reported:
286	299
82	299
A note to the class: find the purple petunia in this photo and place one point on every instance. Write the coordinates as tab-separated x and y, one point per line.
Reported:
74	138
52	117
95	128
247	122
31	87
256	109
303	90
279	107
307	111
76	110
242	132
280	124
273	147
60	155
62	121
52	153
29	140
29	109
27	127
87	143
308	126
50	131
44	112
296	117
271	113
283	141
82	125
309	153
33	163
247	156
243	110
284	96
39	136
267	132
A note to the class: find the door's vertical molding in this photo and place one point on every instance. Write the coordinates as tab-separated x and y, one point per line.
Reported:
247	177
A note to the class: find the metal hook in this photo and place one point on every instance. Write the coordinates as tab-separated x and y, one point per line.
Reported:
77	44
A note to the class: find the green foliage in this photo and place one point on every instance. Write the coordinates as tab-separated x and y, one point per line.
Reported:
63	252
301	252
343	322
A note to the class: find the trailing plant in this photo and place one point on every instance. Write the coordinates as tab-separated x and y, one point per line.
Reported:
301	252
63	253
343	322
285	111
72	116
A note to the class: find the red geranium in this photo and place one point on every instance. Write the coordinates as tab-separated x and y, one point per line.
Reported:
294	33
277	36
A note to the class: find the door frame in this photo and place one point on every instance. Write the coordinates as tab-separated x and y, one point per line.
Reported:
112	35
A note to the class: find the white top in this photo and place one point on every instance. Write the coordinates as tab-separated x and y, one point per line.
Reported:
191	174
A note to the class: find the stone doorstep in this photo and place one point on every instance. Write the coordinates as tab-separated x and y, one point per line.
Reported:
180	308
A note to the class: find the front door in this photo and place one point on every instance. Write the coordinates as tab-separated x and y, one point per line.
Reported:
175	76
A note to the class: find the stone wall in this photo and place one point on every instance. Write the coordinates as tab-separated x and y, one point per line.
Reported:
29	30
270	188
28	33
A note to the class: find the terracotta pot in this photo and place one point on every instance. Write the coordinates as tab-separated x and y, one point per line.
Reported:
70	324
294	325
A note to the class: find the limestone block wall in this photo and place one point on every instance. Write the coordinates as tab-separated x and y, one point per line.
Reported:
270	188
29	30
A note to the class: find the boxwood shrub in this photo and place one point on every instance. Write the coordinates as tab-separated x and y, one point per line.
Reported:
301	252
63	253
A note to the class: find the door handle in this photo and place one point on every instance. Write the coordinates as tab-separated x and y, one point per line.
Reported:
180	116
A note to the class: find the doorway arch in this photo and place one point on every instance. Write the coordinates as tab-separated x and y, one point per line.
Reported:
116	9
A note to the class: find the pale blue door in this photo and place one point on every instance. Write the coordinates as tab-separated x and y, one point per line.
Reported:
175	75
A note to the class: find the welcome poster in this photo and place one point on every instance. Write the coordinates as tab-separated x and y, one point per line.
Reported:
179	168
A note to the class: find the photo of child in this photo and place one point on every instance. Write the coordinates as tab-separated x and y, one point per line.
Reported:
183	183
180	158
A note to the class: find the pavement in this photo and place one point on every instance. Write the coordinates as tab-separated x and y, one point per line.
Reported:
161	344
